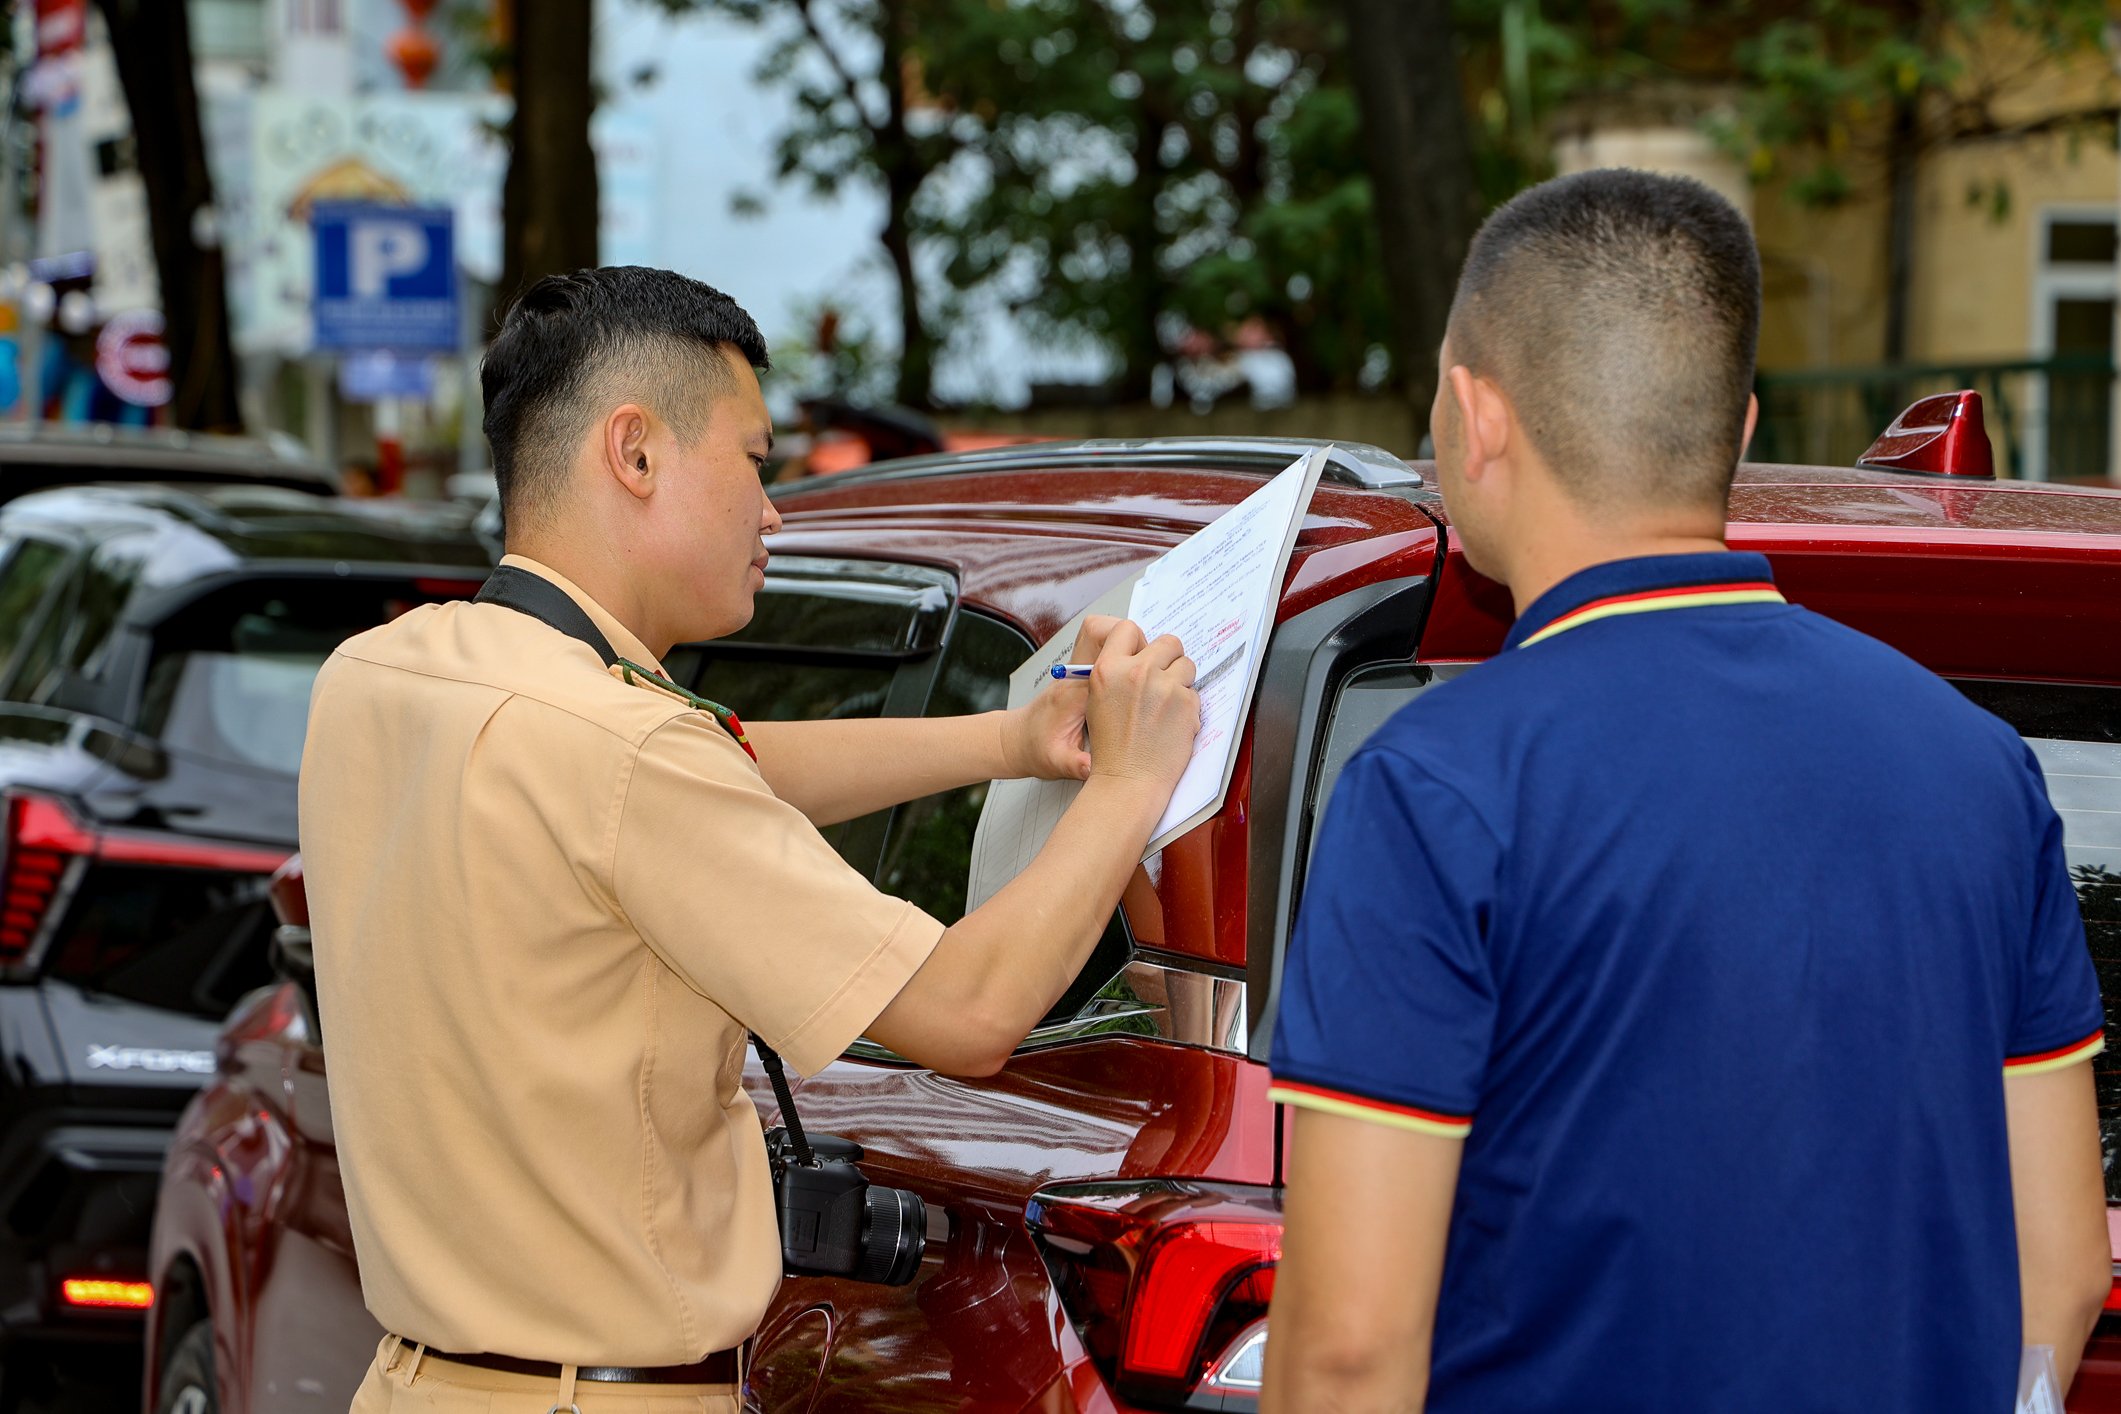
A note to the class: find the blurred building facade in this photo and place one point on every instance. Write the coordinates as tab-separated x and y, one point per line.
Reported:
301	102
2011	271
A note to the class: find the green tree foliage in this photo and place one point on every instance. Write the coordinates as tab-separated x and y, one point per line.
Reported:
1133	174
1832	98
852	68
1823	79
1808	85
1117	172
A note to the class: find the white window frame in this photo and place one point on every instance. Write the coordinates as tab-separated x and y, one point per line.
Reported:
2053	280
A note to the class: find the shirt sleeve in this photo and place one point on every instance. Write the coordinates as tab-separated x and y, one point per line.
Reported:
740	895
2059	1019
1387	1002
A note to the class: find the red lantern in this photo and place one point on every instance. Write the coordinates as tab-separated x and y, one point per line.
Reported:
412	48
415	53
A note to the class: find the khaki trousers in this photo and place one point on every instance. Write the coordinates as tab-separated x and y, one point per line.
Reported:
403	1379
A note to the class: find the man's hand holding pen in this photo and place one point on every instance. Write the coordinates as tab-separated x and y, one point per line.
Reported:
1140	693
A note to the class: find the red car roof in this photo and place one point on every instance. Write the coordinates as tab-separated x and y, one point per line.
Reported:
1036	545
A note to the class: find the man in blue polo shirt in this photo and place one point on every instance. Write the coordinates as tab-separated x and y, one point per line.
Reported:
1681	999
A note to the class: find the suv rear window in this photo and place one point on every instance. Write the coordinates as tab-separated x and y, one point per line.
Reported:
2075	732
229	674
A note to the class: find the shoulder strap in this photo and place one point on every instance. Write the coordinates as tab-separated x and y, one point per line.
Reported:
546	602
551	605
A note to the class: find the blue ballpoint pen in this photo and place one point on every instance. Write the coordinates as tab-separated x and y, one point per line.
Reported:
1071	670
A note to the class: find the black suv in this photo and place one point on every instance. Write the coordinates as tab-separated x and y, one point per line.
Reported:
157	644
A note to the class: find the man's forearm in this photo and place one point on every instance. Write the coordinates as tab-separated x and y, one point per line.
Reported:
2058	1189
837	770
1367	1220
1067	893
999	969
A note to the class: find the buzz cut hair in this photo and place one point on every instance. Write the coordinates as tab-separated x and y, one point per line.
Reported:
575	346
1620	313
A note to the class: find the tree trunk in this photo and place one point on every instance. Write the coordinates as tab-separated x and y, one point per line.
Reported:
549	203
1420	157
1903	153
151	41
1311	350
916	364
903	175
1134	323
1135	319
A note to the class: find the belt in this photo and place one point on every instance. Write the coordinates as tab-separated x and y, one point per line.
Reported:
717	1369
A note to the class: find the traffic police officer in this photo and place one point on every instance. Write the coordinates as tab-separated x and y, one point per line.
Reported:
551	896
1681	1000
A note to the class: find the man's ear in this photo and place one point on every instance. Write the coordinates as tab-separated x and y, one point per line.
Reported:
625	447
1483	420
1752	420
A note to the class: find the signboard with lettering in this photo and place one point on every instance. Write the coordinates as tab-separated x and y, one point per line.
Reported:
386	277
371	375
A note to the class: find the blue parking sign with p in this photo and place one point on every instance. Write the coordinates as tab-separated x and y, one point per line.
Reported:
386	277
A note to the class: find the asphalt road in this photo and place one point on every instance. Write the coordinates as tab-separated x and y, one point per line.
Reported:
98	1380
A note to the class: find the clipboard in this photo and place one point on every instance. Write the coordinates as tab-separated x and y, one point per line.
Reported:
1223	583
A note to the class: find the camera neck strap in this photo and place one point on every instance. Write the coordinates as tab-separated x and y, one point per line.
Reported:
552	606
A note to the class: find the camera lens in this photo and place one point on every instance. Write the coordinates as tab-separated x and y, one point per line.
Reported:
894	1235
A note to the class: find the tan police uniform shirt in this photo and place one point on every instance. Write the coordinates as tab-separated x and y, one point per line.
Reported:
547	905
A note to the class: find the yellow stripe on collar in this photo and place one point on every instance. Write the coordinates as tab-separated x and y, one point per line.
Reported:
1612	608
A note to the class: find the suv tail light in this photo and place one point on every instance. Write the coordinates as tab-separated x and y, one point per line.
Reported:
45	840
103	1293
1168	1283
36	859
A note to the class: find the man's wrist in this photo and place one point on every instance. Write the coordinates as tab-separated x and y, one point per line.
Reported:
1137	804
1006	731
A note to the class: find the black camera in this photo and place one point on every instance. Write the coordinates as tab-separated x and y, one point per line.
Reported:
836	1223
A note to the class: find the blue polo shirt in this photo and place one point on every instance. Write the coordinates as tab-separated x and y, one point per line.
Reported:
1712	927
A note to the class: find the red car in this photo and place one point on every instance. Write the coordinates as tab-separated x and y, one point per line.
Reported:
1115	1219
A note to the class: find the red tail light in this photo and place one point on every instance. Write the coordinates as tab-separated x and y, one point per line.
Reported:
102	1293
1168	1283
44	837
35	861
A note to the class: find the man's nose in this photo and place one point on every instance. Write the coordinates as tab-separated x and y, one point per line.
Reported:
770	522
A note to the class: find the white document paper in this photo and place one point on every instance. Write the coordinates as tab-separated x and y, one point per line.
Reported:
2037	1381
1020	815
1217	591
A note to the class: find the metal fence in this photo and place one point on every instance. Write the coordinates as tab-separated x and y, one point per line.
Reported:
2048	419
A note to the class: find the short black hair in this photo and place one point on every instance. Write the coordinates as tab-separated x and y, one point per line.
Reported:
576	344
1620	311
